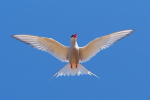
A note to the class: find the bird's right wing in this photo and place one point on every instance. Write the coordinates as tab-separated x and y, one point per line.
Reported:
101	43
58	50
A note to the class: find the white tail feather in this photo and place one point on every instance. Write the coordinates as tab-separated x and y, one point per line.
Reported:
67	70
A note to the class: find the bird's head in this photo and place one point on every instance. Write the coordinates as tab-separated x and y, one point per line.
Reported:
74	36
73	39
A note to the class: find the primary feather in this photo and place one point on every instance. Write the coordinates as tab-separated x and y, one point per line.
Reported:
91	49
46	44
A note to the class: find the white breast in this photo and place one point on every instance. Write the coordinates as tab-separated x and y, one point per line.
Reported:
73	55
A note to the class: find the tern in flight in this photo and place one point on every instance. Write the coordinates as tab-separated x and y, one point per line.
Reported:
73	54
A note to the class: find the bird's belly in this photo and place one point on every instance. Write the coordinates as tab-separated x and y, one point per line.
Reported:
73	60
74	57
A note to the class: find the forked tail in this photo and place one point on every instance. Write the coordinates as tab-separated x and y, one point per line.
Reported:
67	71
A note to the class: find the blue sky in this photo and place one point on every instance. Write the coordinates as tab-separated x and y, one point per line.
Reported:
123	68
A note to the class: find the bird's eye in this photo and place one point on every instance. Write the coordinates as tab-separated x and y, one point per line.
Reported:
72	36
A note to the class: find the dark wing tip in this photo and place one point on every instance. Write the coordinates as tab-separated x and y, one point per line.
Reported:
12	36
132	30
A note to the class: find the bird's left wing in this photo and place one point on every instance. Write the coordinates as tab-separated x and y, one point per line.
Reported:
101	43
58	50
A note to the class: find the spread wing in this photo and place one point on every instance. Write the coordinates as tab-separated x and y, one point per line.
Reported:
46	44
101	43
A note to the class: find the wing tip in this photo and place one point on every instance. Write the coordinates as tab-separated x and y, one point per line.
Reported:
13	36
132	30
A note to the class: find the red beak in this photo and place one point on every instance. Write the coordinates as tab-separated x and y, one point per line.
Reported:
75	36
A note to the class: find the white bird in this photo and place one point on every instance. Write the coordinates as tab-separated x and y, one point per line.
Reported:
73	54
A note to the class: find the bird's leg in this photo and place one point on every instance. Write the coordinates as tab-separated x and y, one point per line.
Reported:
71	65
76	65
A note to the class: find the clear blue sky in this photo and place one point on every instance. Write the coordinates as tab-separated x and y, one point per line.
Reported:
123	68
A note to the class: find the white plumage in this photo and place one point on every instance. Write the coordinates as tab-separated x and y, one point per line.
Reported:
73	54
101	43
58	50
